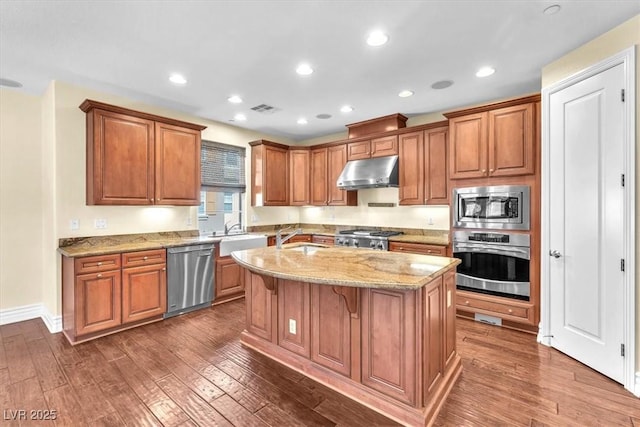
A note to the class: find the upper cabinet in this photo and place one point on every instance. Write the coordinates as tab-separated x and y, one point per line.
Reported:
423	176
326	165
135	158
379	147
299	171
269	174
494	140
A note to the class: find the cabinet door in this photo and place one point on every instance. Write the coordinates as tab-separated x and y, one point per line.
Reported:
229	278
336	159
411	169
330	330
468	146
299	177
450	315
319	177
434	330
293	316
97	305
358	150
385	146
177	166
436	186
511	142
275	169
120	159
144	292
389	342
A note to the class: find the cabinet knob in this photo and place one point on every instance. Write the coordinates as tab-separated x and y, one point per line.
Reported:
490	170
510	311
466	303
99	276
144	258
151	199
99	263
164	269
484	170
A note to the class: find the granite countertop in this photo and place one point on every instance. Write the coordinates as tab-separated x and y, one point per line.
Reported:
331	265
103	245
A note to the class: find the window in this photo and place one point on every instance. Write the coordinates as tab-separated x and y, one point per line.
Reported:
223	186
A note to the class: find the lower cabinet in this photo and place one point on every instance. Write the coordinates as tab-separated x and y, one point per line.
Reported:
229	282
331	326
106	293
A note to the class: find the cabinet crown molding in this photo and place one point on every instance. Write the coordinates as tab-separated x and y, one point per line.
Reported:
487	107
89	104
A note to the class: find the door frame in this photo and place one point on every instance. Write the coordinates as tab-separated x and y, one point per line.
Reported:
627	58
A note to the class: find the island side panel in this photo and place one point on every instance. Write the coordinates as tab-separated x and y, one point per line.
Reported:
450	317
388	342
434	334
258	301
330	330
293	316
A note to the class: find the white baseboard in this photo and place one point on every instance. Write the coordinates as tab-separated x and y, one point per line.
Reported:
32	311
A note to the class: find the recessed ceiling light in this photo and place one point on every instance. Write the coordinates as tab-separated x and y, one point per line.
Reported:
485	71
10	83
234	99
552	10
302	121
405	93
346	108
442	84
304	69
377	38
240	117
323	116
177	79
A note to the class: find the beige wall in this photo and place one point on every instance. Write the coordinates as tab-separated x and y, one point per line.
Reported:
621	37
20	200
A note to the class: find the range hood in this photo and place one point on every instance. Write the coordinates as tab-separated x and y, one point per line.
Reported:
369	173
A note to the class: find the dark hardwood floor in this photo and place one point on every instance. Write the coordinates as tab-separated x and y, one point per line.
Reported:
192	370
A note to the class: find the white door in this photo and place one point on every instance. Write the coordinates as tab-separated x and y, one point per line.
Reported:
586	208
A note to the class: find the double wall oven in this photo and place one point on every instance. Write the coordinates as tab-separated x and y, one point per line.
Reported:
495	260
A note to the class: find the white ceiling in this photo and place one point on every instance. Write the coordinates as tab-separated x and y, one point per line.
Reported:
251	48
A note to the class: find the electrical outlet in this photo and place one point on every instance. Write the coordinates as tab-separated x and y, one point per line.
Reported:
100	223
74	224
292	326
254	218
430	221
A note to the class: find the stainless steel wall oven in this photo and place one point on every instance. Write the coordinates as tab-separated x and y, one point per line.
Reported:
496	207
493	263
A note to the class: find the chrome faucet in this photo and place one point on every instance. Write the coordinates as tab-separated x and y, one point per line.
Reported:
228	229
280	240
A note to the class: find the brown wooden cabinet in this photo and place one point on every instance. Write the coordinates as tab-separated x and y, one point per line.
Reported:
323	240
378	147
135	158
493	143
326	165
299	174
269	174
293	316
229	279
423	168
418	248
505	308
330	330
106	293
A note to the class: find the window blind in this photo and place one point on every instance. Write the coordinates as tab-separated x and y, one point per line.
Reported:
222	167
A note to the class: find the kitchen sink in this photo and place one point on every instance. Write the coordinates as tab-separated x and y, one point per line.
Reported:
239	242
307	249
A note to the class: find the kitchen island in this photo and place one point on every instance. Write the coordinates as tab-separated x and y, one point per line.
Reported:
376	326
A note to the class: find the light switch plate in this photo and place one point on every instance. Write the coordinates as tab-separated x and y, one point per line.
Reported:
74	224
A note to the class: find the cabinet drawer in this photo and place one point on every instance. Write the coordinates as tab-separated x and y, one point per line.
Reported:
134	259
464	301
93	264
418	248
325	240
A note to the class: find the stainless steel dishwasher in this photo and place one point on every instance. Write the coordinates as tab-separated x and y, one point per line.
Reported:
190	278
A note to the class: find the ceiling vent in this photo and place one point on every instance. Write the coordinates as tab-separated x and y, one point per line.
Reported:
265	109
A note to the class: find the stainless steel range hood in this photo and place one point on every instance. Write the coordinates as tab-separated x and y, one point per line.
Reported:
369	173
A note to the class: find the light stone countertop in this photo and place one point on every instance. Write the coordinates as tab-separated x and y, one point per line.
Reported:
331	265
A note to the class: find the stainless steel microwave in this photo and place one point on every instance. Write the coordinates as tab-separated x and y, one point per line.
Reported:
505	207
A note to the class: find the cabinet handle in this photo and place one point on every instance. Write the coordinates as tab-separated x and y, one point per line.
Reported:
99	263
99	276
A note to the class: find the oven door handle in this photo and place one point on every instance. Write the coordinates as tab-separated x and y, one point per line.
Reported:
500	250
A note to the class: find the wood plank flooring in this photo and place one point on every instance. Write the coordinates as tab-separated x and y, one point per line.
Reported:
192	371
